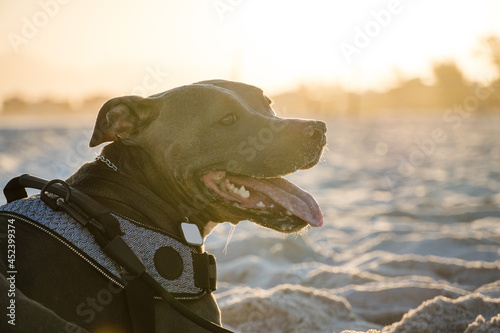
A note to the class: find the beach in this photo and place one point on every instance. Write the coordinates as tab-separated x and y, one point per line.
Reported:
410	242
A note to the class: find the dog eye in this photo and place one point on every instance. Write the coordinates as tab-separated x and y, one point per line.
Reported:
228	119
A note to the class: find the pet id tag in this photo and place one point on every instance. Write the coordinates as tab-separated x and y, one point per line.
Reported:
192	234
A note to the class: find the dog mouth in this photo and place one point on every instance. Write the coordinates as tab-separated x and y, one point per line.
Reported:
275	198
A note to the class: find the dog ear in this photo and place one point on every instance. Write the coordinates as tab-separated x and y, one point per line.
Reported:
120	117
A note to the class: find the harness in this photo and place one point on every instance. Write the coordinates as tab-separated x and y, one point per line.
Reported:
154	263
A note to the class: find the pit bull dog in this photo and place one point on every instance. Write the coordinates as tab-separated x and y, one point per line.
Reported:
207	153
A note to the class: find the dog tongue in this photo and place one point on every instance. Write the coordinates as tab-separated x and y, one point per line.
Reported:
285	193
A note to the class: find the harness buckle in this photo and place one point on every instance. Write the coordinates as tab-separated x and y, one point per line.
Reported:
205	271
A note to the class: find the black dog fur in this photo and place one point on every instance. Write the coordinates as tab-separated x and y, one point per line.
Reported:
164	146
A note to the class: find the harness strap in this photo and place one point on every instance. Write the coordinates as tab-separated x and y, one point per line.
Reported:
140	303
14	191
107	232
205	271
83	204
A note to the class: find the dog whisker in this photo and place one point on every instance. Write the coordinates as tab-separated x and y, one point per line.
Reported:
229	236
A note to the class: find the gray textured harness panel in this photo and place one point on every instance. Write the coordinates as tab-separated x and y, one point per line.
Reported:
143	241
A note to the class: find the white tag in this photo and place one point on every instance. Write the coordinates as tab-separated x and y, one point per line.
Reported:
192	234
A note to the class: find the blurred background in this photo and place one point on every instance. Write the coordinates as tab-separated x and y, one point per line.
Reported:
409	183
329	57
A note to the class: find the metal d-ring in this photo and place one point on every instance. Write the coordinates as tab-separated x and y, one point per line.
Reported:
58	181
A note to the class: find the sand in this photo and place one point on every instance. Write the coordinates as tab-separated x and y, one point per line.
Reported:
416	253
406	246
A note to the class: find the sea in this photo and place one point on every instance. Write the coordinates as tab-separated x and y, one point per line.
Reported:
410	242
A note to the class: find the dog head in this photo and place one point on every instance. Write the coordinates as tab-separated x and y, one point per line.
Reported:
223	150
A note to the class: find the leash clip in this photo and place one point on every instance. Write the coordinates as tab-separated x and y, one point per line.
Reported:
65	205
79	216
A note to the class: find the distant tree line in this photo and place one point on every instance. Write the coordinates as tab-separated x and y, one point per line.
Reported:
18	105
450	88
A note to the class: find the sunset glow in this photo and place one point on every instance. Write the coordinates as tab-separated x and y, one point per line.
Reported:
68	49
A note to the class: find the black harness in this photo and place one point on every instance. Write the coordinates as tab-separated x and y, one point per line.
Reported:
141	287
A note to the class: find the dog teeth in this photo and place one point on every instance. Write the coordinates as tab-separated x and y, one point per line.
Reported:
230	185
261	204
242	192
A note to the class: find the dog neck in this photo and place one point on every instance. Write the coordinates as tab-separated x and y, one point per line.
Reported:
135	188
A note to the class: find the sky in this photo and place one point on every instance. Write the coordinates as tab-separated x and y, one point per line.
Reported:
68	49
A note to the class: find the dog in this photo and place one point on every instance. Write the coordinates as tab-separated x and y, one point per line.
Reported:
210	152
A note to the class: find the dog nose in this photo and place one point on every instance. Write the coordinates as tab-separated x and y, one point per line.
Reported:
314	128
